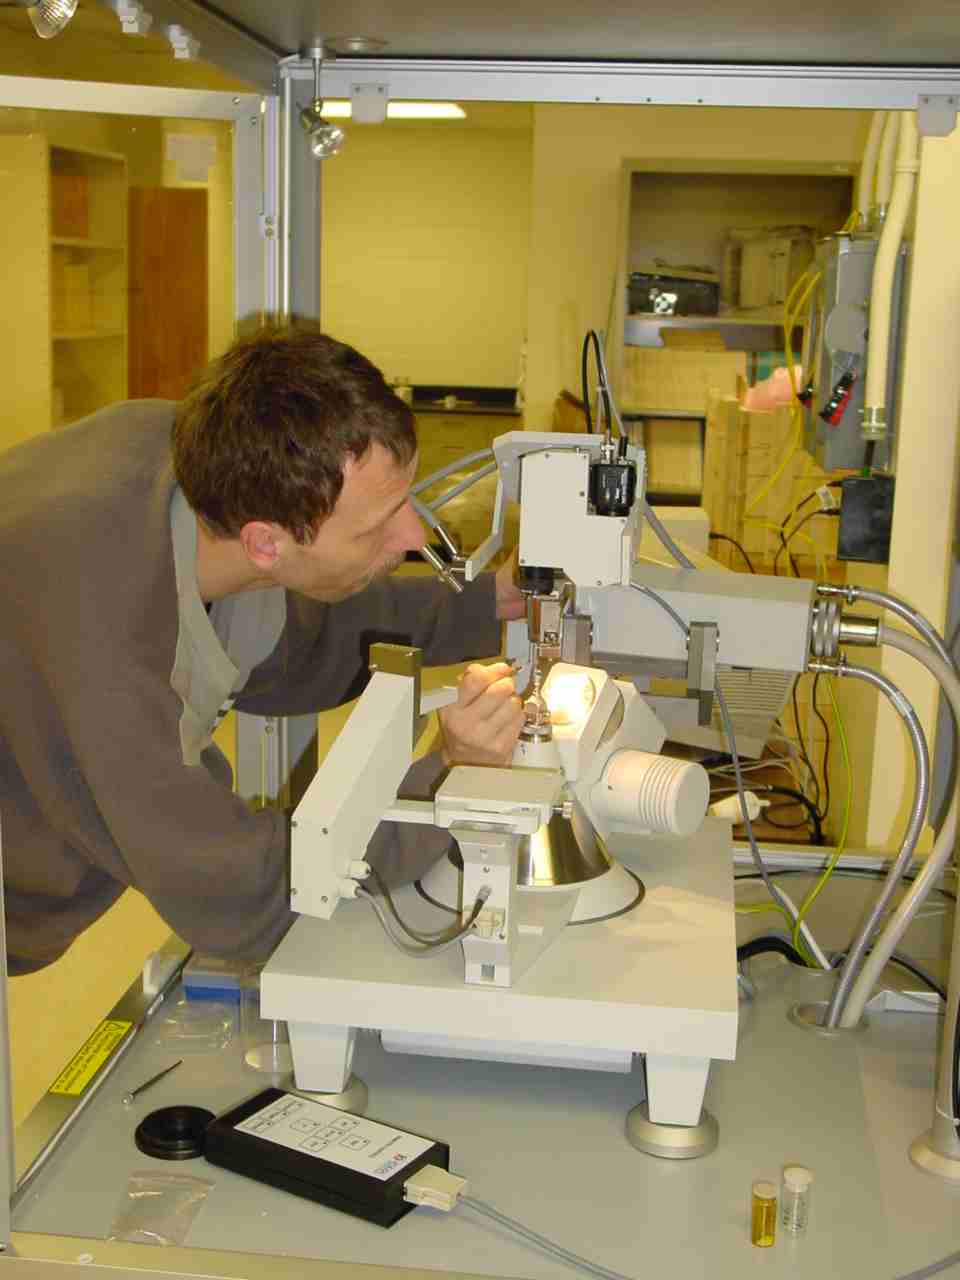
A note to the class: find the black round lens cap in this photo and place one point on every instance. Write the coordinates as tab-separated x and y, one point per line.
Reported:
173	1133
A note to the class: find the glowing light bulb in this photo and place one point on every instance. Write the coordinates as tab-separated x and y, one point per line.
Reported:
569	696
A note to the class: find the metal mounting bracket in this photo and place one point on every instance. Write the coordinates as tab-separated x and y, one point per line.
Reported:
937	114
702	667
369	103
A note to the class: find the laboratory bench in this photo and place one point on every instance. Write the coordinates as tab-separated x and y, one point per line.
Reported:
546	1146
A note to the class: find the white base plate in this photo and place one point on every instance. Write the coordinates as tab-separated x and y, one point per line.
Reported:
660	980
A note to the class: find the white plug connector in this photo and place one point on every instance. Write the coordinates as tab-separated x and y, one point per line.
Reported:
434	1187
730	807
827	500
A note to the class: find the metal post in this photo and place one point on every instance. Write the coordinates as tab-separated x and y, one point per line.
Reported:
938	1150
7	1170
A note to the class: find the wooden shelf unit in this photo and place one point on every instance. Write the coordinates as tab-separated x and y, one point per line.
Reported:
64	332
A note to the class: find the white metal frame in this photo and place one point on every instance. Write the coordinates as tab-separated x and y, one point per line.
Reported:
254	119
639	83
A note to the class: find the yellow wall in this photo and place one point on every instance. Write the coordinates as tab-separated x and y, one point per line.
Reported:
924	518
578	154
425	231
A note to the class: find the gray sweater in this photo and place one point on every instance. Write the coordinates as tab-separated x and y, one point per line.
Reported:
94	793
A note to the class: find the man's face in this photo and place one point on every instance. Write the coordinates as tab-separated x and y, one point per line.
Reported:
366	536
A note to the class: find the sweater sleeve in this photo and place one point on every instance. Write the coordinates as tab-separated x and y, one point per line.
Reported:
121	807
404	851
323	656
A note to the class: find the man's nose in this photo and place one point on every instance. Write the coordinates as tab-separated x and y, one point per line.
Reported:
408	533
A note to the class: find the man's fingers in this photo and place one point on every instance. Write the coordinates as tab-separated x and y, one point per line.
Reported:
478	680
506	718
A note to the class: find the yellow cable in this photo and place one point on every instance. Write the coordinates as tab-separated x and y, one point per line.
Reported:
796	422
814	893
796	298
769	524
790	316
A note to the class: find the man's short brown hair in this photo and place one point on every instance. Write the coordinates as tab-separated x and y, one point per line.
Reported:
265	432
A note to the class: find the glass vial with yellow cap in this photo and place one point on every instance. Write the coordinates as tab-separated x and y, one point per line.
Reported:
763	1214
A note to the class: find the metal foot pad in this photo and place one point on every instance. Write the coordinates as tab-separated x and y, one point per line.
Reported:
926	1157
810	1017
671	1141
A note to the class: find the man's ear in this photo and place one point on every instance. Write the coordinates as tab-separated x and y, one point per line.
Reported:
261	543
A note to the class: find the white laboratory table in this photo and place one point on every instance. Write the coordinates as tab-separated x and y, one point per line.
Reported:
546	1146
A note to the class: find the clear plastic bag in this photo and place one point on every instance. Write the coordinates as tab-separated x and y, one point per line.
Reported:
194	1026
158	1208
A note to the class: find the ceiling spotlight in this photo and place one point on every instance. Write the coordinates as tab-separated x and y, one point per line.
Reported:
325	138
49	17
357	46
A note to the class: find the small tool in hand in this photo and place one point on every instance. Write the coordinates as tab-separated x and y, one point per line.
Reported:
129	1097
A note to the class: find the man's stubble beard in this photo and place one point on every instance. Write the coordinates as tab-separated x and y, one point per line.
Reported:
376	574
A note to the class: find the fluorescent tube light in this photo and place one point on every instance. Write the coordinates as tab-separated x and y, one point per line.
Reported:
340	109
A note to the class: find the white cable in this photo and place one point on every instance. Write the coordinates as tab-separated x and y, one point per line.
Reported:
466	461
543	1242
463	484
605	384
885	262
776	893
418	953
932	1269
938	857
868	168
883	181
428	937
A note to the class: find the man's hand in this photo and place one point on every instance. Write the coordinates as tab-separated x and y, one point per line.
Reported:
483	725
510	601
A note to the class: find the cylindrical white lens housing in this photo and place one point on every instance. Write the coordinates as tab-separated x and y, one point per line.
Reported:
652	792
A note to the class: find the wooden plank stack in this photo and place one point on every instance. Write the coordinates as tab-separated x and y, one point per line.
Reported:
743	450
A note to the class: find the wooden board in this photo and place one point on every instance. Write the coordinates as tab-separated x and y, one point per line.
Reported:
674	455
168	307
743	451
658	380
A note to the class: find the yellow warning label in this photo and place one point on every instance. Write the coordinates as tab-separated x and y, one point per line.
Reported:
88	1060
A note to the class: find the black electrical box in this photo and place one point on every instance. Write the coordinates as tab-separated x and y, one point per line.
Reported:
347	1162
866	518
667	291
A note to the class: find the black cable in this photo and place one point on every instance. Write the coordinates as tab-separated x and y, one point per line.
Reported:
804	754
831	484
591	337
783	524
903	962
785	542
784	826
722	537
927	981
868	453
585	382
825	807
769	943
